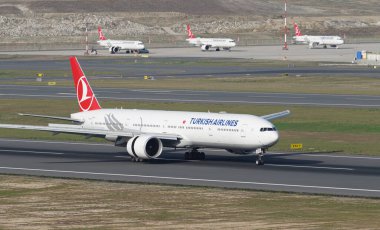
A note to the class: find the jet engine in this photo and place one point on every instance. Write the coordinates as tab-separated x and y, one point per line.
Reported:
144	147
205	47
113	49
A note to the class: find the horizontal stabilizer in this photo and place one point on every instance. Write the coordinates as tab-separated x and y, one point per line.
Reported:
276	115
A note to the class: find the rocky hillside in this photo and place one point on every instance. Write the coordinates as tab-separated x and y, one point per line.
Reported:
35	21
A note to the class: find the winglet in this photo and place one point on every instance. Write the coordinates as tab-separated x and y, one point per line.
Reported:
276	115
86	97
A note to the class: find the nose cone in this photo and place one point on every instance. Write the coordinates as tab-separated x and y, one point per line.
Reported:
271	138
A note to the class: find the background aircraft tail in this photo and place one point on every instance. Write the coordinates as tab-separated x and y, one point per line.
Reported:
297	30
86	97
101	35
189	33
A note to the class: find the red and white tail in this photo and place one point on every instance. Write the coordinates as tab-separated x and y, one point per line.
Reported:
189	33
86	97
101	35
297	30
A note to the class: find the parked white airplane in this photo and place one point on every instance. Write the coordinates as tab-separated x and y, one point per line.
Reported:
115	46
207	43
314	41
144	133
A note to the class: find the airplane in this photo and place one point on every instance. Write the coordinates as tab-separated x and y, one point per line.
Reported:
207	43
314	41
144	133
115	46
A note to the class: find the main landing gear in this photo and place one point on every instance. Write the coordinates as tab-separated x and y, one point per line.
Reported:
259	156
195	155
136	159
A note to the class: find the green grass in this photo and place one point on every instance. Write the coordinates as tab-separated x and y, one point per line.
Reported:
43	203
347	130
272	84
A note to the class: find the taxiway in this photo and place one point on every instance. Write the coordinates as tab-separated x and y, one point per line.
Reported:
190	96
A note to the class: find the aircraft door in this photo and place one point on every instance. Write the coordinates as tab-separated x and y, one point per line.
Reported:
210	131
243	131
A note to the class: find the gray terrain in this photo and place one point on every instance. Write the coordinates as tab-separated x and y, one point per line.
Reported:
163	21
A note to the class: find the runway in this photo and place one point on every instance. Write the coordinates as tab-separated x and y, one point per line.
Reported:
175	67
190	96
322	173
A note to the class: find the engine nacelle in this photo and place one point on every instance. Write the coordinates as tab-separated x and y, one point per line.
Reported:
113	49
205	47
144	147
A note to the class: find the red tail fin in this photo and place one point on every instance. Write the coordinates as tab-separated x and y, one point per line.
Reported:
101	35
297	30
86	97
189	33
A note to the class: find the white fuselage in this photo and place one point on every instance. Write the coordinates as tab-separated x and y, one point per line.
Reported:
122	44
238	133
206	43
314	41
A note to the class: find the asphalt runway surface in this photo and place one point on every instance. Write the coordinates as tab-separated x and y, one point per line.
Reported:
169	67
322	173
189	96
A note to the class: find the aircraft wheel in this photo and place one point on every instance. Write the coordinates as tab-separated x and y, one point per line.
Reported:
259	162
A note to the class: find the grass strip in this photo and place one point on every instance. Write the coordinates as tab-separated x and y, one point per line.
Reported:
43	203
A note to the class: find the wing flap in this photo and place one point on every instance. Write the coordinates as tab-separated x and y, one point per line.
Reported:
276	115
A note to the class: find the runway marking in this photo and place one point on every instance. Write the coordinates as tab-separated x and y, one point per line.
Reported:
123	157
264	96
335	156
151	91
364	99
73	94
313	167
195	179
26	151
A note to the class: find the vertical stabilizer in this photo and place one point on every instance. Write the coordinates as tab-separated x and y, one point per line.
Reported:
86	97
189	33
101	35
297	30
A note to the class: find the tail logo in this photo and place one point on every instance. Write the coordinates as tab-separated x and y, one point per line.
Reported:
297	30
101	35
84	95
189	33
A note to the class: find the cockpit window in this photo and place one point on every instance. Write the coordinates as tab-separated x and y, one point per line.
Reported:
268	129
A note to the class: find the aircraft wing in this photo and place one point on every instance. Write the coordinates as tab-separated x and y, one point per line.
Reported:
77	129
276	115
51	117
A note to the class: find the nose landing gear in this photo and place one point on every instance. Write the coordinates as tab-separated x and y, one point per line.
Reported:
259	156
